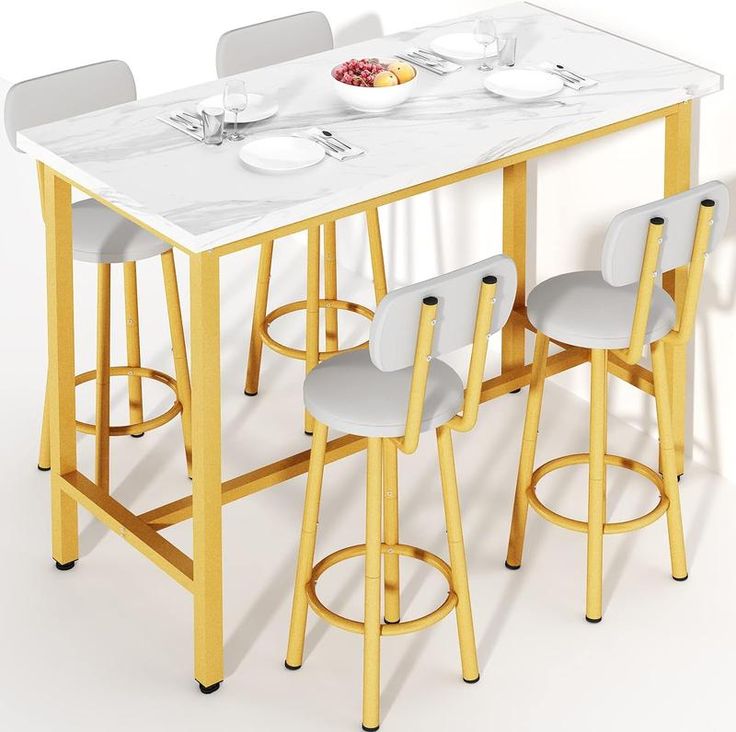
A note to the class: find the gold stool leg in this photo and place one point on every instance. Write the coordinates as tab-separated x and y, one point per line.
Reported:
133	342
669	461
596	484
392	585
179	351
528	450
44	450
305	562
376	247
330	266
372	621
255	350
463	611
102	409
312	329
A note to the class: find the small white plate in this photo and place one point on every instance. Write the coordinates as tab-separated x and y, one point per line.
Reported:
461	47
523	84
281	154
259	107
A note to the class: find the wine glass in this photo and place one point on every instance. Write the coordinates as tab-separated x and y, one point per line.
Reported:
485	34
235	100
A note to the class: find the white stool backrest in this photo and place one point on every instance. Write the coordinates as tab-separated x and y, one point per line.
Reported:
393	336
67	94
626	238
272	42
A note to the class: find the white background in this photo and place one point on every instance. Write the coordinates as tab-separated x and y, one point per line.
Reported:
108	645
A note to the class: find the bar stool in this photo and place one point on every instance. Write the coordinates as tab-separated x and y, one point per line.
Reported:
252	47
104	238
615	313
390	395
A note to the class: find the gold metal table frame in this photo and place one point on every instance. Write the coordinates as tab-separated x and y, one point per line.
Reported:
201	574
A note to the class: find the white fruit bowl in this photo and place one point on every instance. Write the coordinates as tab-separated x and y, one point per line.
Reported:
371	98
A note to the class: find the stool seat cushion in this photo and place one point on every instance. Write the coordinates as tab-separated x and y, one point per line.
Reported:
103	237
348	393
582	309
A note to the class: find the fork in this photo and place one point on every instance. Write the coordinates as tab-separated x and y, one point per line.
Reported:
184	121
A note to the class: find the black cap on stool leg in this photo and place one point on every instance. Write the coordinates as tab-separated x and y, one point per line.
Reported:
512	566
211	689
66	566
594	620
369	729
43	469
679	579
290	667
472	681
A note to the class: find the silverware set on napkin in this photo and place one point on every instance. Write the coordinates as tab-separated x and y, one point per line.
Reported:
186	122
569	77
429	61
335	147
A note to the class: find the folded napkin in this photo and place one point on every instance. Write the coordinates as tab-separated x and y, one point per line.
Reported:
335	147
572	82
166	119
429	61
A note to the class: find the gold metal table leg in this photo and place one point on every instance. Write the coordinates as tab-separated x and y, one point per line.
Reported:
513	351
255	349
330	267
206	470
133	341
312	325
102	380
63	430
677	178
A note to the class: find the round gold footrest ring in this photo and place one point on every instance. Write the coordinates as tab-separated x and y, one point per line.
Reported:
293	307
618	527
145	426
408	626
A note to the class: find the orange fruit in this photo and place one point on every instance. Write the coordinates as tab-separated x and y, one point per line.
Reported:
385	78
403	72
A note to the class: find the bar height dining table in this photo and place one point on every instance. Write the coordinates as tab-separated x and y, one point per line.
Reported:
206	204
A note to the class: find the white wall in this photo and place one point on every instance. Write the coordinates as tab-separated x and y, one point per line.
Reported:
171	44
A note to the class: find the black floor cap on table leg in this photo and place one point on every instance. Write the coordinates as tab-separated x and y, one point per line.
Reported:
64	567
211	689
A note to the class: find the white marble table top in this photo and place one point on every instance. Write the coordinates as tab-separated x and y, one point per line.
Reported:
203	197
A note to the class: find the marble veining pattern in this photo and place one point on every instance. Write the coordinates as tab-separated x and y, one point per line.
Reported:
203	197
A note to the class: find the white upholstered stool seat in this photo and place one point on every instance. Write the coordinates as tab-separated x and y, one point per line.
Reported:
582	309
348	393
101	236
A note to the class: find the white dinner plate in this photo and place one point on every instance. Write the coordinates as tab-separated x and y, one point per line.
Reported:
461	47
523	84
259	107
281	154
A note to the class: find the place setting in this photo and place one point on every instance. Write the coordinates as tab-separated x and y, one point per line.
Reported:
497	55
